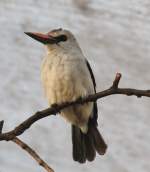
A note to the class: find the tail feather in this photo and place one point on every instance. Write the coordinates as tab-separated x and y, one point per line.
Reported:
89	145
99	142
79	153
86	145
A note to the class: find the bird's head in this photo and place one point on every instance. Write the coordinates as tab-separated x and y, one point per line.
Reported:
55	38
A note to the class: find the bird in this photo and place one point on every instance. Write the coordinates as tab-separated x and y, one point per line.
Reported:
66	76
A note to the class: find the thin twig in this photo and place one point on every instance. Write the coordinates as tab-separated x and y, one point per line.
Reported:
35	156
57	108
116	81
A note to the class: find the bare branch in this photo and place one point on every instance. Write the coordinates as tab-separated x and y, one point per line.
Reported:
11	135
35	156
57	108
116	81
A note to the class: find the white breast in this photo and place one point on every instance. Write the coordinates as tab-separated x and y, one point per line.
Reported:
66	78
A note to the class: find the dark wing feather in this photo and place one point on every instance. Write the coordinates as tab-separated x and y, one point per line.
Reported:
95	111
85	145
92	75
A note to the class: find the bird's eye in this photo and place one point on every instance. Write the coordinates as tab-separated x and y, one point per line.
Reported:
62	38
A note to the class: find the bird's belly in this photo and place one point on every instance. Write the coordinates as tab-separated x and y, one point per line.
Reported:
60	87
64	83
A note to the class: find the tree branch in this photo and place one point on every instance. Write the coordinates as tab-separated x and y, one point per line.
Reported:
57	108
116	81
11	135
29	150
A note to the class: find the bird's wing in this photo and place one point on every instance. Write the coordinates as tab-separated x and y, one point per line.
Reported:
92	75
95	110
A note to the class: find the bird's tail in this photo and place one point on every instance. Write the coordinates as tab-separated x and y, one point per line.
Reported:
86	145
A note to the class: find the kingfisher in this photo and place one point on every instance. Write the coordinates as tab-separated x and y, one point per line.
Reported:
66	76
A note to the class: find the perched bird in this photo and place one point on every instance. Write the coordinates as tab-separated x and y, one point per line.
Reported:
66	75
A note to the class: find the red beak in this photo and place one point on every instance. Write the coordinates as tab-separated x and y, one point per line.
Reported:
43	38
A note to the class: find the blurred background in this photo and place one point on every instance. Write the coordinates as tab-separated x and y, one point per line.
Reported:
115	37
